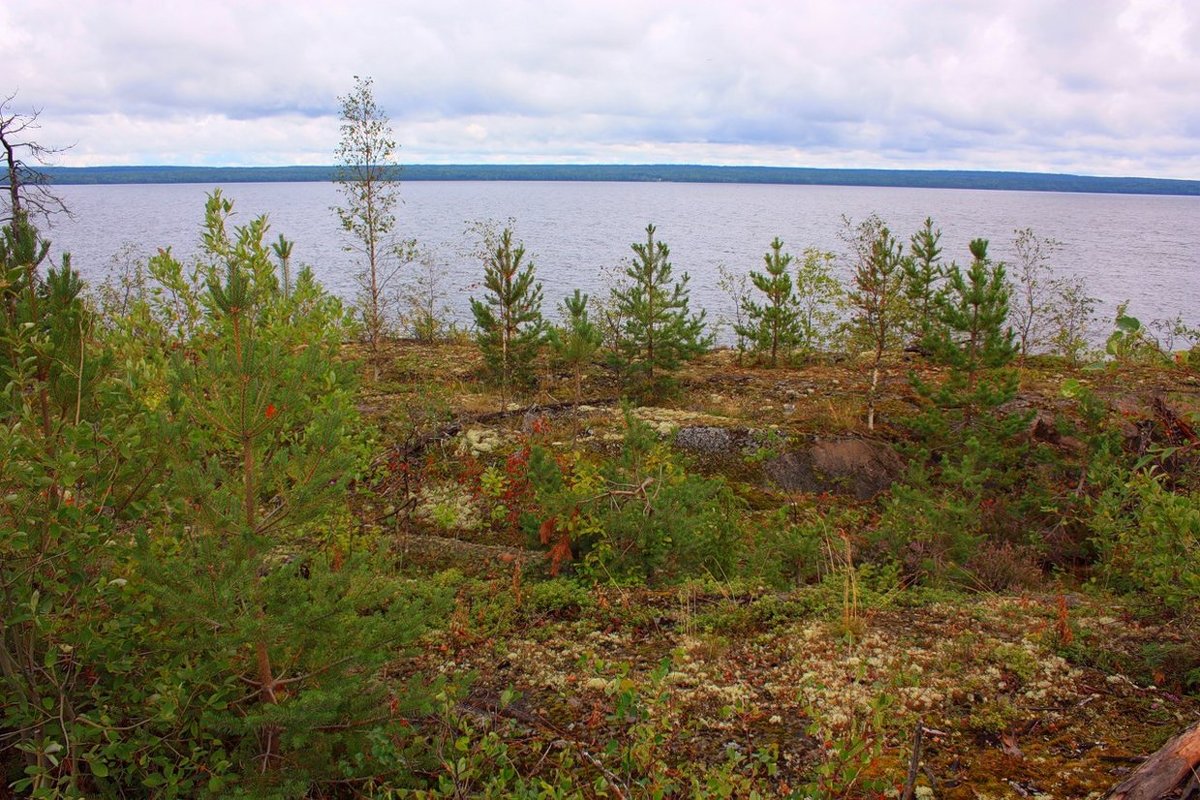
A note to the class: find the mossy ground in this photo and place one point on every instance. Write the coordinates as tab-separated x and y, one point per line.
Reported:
1053	689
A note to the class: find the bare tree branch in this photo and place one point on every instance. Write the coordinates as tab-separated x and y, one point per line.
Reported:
26	189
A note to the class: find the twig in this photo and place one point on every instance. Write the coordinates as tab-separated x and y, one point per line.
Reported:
914	763
613	780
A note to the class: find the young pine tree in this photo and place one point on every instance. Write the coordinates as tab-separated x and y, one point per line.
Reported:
923	274
576	341
509	318
979	459
877	299
283	251
773	325
283	630
659	332
972	338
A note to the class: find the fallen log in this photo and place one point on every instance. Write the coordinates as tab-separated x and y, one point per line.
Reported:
1165	773
472	557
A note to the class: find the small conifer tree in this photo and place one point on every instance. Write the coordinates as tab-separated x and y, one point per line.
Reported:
773	325
923	274
972	442
509	318
576	341
659	331
261	472
973	338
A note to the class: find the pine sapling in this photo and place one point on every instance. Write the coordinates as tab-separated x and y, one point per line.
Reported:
923	275
775	323
659	332
509	318
576	341
973	339
283	251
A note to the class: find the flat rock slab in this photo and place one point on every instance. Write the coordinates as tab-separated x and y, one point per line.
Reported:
855	467
845	465
714	440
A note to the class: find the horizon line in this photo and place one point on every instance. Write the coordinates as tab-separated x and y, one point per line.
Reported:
941	178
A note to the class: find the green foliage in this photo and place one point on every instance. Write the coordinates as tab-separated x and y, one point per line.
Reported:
180	613
929	530
1130	341
877	298
1033	290
558	596
773	325
577	340
850	746
735	286
269	449
425	314
982	491
283	251
1148	537
639	516
821	300
974	341
1071	319
509	319
659	332
923	275
791	549
73	472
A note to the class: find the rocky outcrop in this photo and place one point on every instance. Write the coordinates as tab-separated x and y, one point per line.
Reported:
845	465
857	467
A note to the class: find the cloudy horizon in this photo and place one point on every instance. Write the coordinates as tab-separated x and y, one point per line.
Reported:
1103	88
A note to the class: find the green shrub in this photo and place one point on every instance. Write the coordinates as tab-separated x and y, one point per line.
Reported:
641	515
1149	540
928	529
557	596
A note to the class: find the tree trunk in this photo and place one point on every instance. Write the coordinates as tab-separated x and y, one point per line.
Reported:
1175	763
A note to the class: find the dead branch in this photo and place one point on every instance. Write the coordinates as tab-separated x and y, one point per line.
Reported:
1174	764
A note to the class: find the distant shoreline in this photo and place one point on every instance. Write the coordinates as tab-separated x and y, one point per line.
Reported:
670	173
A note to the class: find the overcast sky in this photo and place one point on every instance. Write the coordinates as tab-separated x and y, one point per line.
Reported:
1104	87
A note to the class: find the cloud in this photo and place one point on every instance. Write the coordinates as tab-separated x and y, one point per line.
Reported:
1106	88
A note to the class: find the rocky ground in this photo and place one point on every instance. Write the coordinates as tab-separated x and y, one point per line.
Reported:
1053	689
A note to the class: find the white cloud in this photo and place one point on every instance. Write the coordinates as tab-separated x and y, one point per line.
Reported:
1107	88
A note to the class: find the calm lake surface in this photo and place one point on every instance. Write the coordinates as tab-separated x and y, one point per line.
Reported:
1145	249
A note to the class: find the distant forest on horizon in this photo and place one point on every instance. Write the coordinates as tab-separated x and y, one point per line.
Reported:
674	173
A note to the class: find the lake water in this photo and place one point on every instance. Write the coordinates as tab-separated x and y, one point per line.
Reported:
1142	248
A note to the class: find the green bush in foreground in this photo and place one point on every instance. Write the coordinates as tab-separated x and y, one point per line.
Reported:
1149	539
178	615
286	633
